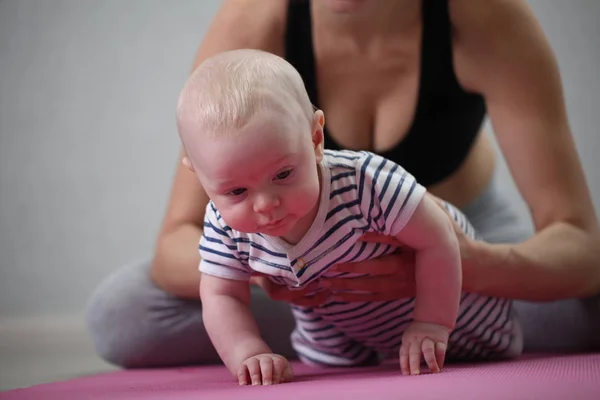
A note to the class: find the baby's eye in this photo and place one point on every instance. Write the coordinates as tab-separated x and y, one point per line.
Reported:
284	174
236	192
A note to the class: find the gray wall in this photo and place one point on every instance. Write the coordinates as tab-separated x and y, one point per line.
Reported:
88	143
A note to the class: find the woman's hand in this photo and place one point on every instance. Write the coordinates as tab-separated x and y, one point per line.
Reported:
390	277
297	297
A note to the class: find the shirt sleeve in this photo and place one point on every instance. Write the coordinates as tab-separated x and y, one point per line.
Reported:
219	252
388	194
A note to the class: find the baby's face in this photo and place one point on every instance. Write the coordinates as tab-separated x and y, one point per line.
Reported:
264	178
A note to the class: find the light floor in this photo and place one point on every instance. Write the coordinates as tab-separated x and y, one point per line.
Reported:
41	350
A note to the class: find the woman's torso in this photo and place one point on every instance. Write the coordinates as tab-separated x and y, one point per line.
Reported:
401	91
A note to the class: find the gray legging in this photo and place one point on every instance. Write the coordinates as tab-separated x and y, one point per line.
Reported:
135	324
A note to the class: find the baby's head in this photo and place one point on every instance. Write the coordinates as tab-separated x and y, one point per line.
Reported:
253	139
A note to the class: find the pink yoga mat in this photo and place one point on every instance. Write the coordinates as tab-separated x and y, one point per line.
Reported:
556	377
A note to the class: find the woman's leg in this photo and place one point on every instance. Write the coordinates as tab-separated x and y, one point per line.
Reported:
133	323
566	325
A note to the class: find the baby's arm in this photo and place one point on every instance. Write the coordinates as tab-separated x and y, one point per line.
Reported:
438	280
235	335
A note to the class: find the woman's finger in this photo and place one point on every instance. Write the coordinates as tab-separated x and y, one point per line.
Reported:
373	284
372	297
374	237
384	265
311	301
282	293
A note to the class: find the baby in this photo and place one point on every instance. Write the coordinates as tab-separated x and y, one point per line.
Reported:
283	206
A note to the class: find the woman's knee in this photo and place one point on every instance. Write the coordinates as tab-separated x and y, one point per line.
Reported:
120	314
571	325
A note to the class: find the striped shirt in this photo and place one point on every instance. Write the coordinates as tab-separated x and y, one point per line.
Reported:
360	192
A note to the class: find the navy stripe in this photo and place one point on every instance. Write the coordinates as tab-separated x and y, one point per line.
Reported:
340	207
269	263
487	331
344	157
498	331
342	190
225	266
362	176
392	202
379	217
219	253
461	334
270	252
330	314
374	179
328	234
378	308
332	263
319	329
221	232
213	240
392	328
343	175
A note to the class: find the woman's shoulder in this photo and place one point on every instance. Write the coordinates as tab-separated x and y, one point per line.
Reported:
491	35
258	24
489	15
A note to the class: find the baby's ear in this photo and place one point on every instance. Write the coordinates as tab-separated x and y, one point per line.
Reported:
317	134
186	161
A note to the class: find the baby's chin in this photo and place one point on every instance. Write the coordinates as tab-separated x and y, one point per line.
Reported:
280	228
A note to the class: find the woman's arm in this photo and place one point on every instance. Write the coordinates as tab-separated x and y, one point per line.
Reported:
501	52
238	24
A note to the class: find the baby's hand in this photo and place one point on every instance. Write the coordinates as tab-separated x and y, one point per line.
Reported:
265	369
423	340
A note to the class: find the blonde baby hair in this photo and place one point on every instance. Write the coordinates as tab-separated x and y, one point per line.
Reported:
227	90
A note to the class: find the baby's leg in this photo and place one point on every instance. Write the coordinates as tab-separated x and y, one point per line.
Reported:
486	328
135	324
319	343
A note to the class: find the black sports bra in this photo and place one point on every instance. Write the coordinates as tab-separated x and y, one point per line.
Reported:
447	119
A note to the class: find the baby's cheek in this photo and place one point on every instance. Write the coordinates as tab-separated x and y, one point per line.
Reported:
238	219
307	196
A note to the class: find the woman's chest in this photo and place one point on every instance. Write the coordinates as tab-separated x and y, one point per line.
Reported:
369	104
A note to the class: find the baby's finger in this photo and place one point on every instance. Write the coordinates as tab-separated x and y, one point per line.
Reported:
288	374
404	366
253	366
266	370
243	376
414	357
440	353
279	366
429	355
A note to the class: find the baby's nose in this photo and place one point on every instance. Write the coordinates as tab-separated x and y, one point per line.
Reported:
265	203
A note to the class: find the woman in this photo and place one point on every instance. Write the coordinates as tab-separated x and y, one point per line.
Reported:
412	81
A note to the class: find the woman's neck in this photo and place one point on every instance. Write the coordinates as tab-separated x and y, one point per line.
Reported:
372	21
